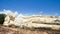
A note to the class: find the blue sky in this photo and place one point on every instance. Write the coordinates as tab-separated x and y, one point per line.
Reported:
48	7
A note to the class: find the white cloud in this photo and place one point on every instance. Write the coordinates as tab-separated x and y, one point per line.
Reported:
16	13
9	12
20	15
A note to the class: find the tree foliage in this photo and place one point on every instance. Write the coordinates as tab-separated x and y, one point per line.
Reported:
2	17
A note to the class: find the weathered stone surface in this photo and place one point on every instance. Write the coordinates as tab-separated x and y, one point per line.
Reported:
10	30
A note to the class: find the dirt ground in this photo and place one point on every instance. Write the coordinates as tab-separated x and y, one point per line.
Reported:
12	30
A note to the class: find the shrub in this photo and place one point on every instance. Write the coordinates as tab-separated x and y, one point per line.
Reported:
2	17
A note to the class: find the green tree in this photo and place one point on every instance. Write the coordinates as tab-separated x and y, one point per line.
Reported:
2	17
